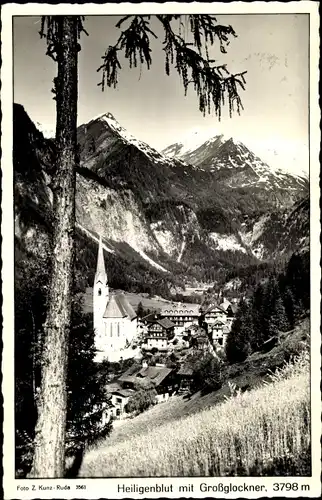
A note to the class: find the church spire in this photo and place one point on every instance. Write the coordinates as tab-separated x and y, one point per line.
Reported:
100	268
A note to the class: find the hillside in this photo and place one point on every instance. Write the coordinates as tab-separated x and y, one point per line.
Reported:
202	426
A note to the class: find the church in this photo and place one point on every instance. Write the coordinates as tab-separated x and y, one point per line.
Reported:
115	321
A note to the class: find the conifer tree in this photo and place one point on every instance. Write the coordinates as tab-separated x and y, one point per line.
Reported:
258	308
290	306
140	310
277	317
278	321
213	85
238	345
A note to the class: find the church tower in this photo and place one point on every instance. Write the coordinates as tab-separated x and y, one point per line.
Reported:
100	292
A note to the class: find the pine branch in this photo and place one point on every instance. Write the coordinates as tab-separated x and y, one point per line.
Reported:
208	79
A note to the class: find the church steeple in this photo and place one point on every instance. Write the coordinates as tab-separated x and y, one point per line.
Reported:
100	275
100	293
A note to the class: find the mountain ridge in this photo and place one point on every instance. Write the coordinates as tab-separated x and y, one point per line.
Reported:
163	214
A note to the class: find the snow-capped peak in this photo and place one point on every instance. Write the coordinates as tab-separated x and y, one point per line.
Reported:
111	122
194	139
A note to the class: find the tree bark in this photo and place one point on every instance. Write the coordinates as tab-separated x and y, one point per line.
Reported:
49	454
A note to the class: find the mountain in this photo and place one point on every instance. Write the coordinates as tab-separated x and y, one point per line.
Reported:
163	221
233	165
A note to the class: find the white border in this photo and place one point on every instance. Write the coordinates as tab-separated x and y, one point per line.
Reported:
107	488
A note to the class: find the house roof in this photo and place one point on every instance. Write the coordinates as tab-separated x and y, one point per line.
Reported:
154	318
225	304
128	378
116	388
151	317
155	373
119	307
177	309
125	393
112	387
165	323
128	373
213	307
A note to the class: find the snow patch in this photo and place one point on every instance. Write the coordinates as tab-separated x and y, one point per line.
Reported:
88	233
183	246
227	242
150	261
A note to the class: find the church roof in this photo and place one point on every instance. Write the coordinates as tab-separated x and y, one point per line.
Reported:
100	268
119	307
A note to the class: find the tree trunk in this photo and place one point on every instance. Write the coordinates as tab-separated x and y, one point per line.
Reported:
49	455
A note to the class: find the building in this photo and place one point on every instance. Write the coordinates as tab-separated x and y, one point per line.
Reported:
161	378
185	376
158	332
118	398
181	315
218	321
229	307
219	333
213	313
115	322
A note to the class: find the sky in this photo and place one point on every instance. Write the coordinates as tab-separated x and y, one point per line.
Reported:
272	48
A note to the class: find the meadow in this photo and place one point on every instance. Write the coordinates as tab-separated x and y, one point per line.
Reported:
265	431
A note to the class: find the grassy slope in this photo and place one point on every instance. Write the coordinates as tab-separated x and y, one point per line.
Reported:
276	412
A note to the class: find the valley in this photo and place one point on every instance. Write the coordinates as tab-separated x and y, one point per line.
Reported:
174	217
206	249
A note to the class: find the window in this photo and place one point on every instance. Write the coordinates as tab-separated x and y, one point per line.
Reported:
99	292
111	330
118	329
119	400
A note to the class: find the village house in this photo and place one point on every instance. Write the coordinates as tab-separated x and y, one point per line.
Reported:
213	313
119	398
185	376
218	320
157	332
181	315
229	307
161	378
219	332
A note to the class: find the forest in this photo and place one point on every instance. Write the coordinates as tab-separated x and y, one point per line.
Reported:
274	305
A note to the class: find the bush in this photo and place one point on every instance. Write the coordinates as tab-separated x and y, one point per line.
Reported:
141	400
